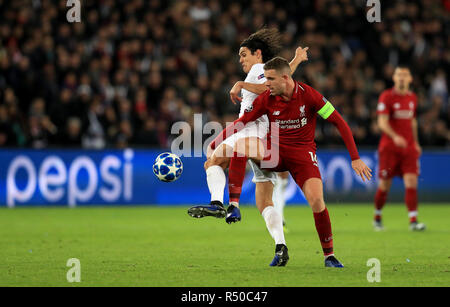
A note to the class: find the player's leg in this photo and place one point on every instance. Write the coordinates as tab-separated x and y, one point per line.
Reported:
244	148
410	172
303	166
313	190
388	167
274	222
384	186
248	145
216	180
410	182
215	175
278	193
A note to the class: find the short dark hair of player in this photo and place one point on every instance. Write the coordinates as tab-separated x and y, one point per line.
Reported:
267	40
279	64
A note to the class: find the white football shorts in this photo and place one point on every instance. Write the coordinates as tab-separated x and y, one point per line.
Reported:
258	130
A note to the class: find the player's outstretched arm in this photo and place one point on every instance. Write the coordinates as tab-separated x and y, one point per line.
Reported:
336	119
301	55
258	89
257	110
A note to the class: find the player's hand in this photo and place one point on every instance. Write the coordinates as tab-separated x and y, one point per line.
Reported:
235	91
362	169
400	141
418	148
301	54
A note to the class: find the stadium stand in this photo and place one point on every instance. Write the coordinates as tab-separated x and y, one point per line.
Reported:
131	68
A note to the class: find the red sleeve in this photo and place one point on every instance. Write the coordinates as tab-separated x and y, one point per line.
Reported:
255	111
384	107
416	104
318	102
336	119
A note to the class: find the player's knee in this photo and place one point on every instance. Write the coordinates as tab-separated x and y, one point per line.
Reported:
412	185
317	203
384	185
219	161
222	162
410	182
240	148
249	147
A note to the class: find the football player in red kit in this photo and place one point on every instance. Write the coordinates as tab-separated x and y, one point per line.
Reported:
399	148
294	107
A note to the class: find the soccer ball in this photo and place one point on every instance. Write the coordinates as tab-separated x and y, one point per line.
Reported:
167	167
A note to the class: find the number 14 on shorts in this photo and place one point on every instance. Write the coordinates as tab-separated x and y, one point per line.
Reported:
314	158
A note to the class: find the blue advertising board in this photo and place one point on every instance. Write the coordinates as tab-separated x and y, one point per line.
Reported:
125	177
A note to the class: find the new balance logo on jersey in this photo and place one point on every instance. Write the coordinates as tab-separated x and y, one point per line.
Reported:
276	113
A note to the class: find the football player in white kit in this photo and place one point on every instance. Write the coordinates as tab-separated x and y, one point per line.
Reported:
253	53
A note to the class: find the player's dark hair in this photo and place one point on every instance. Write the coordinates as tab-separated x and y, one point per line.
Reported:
278	63
267	40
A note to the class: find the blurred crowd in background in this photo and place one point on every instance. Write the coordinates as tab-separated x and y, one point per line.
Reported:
131	68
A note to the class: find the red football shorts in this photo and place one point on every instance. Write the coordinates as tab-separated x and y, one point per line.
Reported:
394	161
300	162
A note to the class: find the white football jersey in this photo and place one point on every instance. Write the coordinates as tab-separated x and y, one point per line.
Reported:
255	76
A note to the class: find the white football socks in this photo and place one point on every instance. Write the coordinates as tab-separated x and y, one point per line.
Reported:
274	224
278	195
216	179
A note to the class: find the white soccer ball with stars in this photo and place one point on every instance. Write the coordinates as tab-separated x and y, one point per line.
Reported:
168	167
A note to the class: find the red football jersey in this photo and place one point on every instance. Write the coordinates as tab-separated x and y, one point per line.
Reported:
401	110
296	118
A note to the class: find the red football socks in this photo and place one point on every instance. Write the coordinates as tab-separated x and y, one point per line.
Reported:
323	227
380	200
411	203
236	174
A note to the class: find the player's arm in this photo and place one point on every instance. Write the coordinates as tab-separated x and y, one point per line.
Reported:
301	55
256	111
415	125
328	113
383	123
251	87
257	88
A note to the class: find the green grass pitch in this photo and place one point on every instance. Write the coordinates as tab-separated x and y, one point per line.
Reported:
163	246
